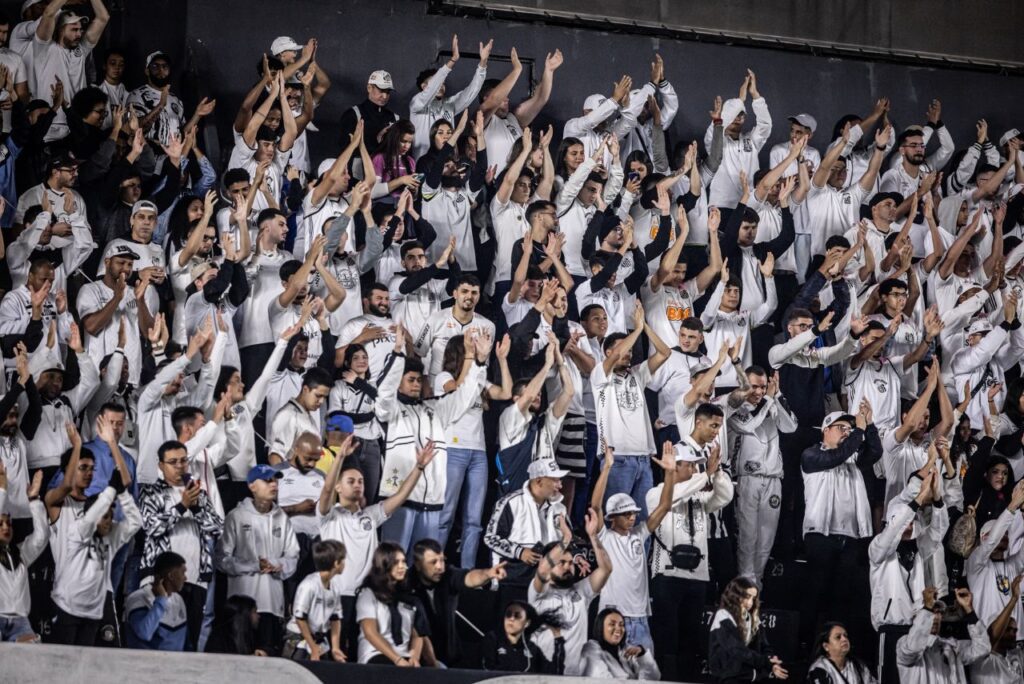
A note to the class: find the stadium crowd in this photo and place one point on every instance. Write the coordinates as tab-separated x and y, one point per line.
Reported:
298	409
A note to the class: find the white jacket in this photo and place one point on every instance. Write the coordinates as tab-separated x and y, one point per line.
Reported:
600	664
987	577
411	424
425	108
519	523
15	599
755	437
82	577
925	658
895	592
799	352
738	155
249	536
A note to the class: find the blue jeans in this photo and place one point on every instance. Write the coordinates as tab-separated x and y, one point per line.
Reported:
467	480
407	526
15	627
638	633
631	475
208	614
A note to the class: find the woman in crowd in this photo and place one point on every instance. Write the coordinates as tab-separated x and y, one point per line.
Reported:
608	656
513	650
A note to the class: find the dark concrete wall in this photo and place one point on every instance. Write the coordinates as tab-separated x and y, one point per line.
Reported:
225	38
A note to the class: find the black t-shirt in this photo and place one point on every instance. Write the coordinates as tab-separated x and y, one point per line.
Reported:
440	602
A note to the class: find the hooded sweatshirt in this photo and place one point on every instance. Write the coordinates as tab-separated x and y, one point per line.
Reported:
249	536
740	154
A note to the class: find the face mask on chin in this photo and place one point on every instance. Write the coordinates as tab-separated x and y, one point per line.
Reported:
453	181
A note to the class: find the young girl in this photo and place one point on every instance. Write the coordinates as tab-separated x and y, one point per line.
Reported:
737	649
393	164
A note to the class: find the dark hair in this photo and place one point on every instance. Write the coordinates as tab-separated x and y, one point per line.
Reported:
273	64
178	225
467	279
424	76
38	262
236	175
266	134
708	411
407	247
111	407
454	355
638	156
326	553
182	416
288	269
692	323
165	562
536	207
268	214
378	580
316	377
598	631
909	133
84	454
169	445
874	325
598	259
610	340
413	366
750	216
380	287
226	373
486	88
837	241
796	313
350	352
433	132
563	148
890	284
736	591
421	547
756	370
5	20
233	631
589	309
86	99
389	148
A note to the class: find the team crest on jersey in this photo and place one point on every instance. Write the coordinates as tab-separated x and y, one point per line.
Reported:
574	596
747	146
277	532
635	547
751	467
627	394
365	523
1003	584
774	500
881	386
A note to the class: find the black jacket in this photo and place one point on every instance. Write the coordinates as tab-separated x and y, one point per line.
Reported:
525	656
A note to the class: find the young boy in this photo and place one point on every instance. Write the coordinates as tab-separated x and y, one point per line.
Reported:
314	632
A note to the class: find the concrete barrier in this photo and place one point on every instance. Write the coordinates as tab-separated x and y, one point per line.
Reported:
31	663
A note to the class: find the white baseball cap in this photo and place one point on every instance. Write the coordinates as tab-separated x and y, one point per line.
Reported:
835	417
982	325
593	102
283	44
545	467
620	503
67	17
1009	135
381	79
144	205
805	120
689	454
325	166
28	3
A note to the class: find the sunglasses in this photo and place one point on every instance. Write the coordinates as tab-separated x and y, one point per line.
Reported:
515	614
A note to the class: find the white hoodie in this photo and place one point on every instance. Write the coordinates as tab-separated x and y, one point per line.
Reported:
249	536
15	599
926	658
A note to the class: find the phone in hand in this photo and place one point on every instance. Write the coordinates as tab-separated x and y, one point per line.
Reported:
633	176
186	479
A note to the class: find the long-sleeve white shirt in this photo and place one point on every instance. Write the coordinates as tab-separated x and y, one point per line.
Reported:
738	155
425	108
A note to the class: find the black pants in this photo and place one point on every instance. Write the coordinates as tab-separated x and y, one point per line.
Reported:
70	630
786	288
890	634
349	629
195	603
678	606
789	536
723	567
270	634
836	573
370	462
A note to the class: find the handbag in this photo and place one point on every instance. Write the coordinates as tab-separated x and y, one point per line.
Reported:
683	556
964	535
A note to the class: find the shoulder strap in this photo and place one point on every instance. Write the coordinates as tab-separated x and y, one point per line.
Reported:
359	114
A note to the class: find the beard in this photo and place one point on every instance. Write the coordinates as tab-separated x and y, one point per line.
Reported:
453	181
567	581
159	81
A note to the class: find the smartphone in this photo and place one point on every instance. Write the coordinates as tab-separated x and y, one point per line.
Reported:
186	479
420	177
633	177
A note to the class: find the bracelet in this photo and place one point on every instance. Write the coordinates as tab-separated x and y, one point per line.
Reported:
421	467
880	148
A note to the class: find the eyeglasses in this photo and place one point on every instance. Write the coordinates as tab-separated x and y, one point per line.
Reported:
176	462
515	614
842	428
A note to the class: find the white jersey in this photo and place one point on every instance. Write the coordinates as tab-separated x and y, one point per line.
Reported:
358	532
626	588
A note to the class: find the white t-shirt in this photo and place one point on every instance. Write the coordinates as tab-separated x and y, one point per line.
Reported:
466	431
501	135
440	327
369	608
622	421
50	63
358	532
378	351
509	225
666	308
93	297
265	286
296	487
626	588
513	426
572	606
317	605
282	317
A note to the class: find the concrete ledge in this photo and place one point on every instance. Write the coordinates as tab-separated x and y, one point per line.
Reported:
29	663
